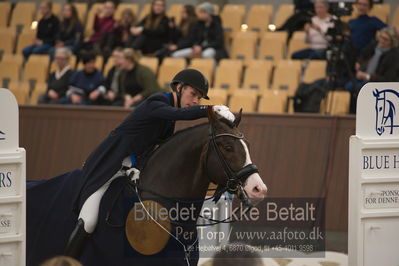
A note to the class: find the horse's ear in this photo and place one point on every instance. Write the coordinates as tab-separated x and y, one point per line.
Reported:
238	118
376	93
211	115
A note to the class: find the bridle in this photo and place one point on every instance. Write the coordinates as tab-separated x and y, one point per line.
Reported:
235	180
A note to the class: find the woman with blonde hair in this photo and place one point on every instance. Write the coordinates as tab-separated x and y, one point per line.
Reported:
152	33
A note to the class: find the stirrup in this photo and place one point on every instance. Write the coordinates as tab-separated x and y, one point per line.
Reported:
77	240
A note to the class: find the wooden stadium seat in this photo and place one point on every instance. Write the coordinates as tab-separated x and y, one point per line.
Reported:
20	94
150	62
7	43
169	68
24	39
271	49
5	11
145	10
338	102
122	6
23	14
286	76
9	71
243	45
99	63
205	66
18	58
108	66
90	18
381	11
228	74
245	99
72	64
216	97
283	13
39	89
273	101
232	17
316	69
82	11
36	68
174	11
297	43
259	17
257	75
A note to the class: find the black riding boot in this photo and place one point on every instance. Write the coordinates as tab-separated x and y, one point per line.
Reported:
77	241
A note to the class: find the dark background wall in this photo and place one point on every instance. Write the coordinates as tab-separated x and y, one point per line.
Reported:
298	155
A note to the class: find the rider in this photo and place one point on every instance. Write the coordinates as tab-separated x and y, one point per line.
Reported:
151	122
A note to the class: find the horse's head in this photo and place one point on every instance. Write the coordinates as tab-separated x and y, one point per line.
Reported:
228	161
379	112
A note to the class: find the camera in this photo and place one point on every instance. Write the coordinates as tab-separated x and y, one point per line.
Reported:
341	8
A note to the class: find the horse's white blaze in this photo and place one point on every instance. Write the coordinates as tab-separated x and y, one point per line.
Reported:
254	187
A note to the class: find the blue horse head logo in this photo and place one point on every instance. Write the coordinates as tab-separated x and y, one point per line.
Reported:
385	107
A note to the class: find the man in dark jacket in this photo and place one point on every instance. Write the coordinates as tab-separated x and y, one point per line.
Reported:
151	122
47	30
207	37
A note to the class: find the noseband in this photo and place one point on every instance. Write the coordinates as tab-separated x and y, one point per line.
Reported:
235	180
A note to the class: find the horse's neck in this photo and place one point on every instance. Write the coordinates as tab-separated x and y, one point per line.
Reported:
175	169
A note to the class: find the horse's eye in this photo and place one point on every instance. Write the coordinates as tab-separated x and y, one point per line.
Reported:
380	109
228	148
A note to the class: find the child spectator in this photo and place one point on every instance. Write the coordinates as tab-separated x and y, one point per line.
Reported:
123	27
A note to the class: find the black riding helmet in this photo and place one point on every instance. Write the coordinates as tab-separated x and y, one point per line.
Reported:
193	78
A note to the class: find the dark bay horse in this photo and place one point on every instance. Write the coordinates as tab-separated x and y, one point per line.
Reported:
181	168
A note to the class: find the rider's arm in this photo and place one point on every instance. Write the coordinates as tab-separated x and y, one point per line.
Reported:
160	109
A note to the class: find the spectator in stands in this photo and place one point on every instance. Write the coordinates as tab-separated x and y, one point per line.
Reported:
208	38
123	27
137	81
71	30
111	83
181	36
316	33
58	81
47	30
151	34
84	86
379	63
364	27
103	28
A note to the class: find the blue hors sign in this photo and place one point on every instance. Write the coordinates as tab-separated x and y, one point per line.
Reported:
377	112
386	103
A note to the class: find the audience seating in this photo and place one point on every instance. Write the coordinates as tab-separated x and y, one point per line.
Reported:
145	10
22	14
244	45
232	17
245	99
216	97
337	102
297	43
169	68
206	66
20	94
5	11
271	48
175	11
7	43
82	11
9	71
273	101
259	17
316	69
150	62
24	39
228	74
286	76
257	75
36	68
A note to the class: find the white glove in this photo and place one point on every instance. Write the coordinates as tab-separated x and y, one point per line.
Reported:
224	112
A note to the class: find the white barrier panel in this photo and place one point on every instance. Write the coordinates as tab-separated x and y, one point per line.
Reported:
12	185
373	229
